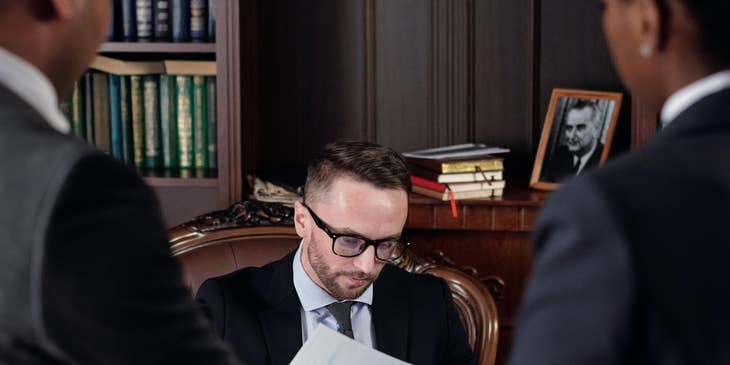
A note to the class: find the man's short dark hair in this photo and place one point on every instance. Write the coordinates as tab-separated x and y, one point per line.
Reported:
711	18
362	161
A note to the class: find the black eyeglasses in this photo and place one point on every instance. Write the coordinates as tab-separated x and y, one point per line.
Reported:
351	245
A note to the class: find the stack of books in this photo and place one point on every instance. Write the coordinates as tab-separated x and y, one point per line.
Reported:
465	171
155	116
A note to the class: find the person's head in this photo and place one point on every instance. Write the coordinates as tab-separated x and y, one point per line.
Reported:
59	37
358	189
659	46
581	127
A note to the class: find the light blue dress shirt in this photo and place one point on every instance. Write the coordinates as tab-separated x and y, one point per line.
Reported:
313	311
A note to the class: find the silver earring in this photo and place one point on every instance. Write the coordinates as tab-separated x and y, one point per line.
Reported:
646	50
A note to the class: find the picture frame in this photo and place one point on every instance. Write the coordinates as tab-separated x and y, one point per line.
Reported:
576	136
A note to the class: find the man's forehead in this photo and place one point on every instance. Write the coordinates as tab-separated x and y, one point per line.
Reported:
576	116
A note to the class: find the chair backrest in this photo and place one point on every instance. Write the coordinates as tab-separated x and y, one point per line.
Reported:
207	248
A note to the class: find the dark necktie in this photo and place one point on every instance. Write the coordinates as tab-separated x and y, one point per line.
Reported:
341	312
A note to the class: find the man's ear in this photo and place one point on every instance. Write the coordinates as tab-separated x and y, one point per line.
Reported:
57	9
301	216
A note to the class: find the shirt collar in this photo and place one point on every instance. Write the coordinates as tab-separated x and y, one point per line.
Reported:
692	93
310	294
33	87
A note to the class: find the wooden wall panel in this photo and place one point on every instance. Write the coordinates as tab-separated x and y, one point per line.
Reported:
503	110
312	77
402	73
574	54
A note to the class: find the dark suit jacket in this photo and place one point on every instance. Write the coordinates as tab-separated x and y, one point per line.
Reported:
257	311
631	261
560	166
86	275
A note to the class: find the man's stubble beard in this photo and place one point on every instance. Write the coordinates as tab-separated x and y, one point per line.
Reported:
329	279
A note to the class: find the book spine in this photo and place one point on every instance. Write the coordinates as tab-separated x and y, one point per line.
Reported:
199	20
153	150
115	122
181	20
211	20
101	112
485	165
113	33
428	184
184	90
200	122
125	117
77	110
168	122
163	21
137	120
129	20
89	108
144	20
212	123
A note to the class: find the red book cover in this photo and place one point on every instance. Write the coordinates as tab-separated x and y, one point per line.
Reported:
428	184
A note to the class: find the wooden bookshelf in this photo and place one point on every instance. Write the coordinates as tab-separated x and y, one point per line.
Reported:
157	47
183	198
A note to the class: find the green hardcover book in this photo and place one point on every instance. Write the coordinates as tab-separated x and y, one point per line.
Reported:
125	117
137	120
168	122
115	122
78	107
101	112
88	108
184	88
153	150
200	122
212	124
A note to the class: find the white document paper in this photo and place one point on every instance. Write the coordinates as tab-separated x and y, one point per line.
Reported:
328	347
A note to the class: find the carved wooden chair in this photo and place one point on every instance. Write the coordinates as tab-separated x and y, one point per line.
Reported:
254	234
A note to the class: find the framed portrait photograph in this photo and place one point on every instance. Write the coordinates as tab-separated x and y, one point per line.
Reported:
576	136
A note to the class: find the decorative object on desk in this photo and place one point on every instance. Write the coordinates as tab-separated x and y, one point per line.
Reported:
248	213
466	150
266	191
576	136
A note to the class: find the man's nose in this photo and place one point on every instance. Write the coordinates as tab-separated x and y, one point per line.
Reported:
366	260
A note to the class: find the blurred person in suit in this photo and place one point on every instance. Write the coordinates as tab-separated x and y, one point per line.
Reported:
86	275
630	261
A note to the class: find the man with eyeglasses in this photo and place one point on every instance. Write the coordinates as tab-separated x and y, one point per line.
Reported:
351	224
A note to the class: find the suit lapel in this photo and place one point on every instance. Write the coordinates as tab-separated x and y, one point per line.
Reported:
390	313
281	322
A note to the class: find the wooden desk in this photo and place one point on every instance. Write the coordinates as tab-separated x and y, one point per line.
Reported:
489	235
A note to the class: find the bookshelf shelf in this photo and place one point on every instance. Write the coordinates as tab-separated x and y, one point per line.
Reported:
181	182
157	47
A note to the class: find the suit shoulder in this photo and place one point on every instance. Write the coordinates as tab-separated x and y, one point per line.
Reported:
419	284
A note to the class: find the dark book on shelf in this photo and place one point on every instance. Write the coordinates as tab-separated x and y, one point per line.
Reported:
115	31
199	20
129	20
181	20
168	121
145	20
211	20
101	111
137	120
125	117
78	120
89	108
115	121
153	150
212	124
184	87
200	122
163	21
